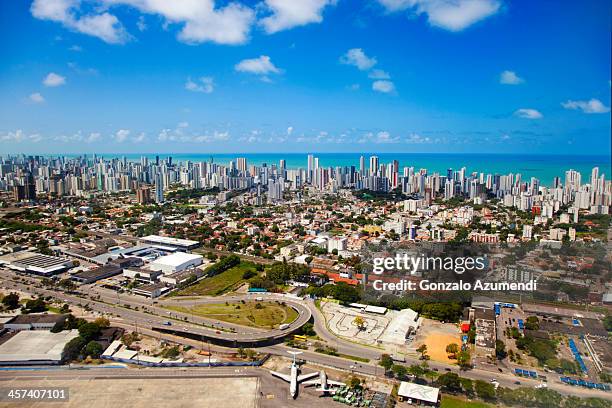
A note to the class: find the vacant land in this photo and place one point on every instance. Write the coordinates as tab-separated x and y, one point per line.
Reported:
148	393
219	284
456	402
266	315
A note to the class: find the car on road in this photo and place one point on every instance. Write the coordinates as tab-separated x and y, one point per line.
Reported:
517	382
167	323
447	369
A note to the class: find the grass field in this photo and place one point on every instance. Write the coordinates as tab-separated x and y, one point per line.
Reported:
218	284
269	315
456	402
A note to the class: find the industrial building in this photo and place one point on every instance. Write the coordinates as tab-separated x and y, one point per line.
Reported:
34	321
176	262
142	274
177	278
97	274
35	263
418	394
152	290
35	347
180	244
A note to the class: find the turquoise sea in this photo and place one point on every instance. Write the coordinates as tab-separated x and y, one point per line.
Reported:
544	167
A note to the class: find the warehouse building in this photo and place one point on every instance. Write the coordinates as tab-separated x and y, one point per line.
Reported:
177	278
177	262
34	321
180	244
35	347
35	263
97	274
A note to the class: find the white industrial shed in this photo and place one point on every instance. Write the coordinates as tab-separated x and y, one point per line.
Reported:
176	262
418	394
35	347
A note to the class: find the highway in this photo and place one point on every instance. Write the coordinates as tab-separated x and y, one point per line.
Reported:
145	315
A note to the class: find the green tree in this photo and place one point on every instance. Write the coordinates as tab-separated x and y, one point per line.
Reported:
35	306
11	301
93	349
102	322
484	390
467	385
89	331
500	349
399	371
416	370
422	349
449	382
386	361
452	349
464	359
72	349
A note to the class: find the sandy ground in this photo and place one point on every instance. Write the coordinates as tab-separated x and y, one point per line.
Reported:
437	336
148	393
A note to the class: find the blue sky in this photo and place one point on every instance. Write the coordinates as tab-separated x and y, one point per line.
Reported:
199	76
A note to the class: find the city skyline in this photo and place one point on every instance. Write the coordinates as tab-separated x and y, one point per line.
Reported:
253	77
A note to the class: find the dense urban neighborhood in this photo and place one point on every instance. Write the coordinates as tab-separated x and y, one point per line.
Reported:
121	264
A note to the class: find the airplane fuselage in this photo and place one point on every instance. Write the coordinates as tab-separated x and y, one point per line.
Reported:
293	385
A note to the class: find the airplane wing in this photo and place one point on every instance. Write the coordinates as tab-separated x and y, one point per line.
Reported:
307	376
284	377
335	383
312	382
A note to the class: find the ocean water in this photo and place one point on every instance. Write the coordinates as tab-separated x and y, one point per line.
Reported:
544	167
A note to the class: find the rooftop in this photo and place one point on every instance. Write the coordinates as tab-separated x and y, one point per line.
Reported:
169	240
417	391
176	259
35	345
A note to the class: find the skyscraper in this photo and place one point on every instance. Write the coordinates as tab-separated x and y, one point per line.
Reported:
159	188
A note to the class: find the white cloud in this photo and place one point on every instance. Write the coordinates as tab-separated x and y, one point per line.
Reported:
94	136
357	58
76	48
122	135
141	24
383	86
591	106
385	137
53	79
258	66
415	138
19	136
36	98
354	87
510	78
528	113
202	21
379	74
205	85
452	15
292	13
104	26
289	130
140	138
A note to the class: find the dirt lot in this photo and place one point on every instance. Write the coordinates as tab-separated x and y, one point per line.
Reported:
437	336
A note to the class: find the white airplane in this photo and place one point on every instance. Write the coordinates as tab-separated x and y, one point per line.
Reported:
294	378
325	384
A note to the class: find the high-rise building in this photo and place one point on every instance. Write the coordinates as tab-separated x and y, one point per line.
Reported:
159	188
143	195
